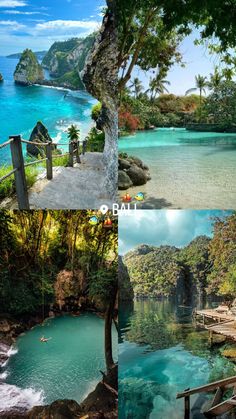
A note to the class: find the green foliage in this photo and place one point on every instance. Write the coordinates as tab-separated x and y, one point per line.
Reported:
220	105
71	79
103	283
7	187
95	140
96	110
37	245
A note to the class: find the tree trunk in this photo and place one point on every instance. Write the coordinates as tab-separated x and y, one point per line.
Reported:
100	77
108	329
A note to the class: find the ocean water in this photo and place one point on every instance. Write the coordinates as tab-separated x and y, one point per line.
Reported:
66	367
188	169
21	107
160	354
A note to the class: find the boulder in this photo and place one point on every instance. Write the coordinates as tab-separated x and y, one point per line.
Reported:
124	181
1	78
137	175
138	162
40	135
28	71
124	164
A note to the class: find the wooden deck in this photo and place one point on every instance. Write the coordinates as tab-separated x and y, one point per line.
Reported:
214	315
222	323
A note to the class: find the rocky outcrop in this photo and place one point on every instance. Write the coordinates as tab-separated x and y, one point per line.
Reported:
70	290
126	292
40	135
69	55
132	172
1	78
28	70
100	77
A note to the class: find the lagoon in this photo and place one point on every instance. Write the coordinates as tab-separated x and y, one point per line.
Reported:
188	169
66	367
21	107
160	354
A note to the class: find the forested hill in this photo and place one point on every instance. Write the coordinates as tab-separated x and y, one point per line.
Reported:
55	259
204	266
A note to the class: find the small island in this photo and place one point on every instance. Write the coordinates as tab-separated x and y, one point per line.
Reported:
28	70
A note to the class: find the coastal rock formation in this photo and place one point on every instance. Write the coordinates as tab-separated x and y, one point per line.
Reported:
66	59
28	70
132	172
126	292
70	290
1	78
100	77
40	135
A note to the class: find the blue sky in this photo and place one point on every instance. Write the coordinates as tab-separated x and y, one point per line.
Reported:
36	24
164	227
197	61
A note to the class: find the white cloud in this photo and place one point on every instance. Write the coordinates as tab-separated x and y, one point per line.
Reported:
66	24
18	12
12	3
11	24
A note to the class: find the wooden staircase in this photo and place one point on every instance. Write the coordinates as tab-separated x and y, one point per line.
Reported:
218	405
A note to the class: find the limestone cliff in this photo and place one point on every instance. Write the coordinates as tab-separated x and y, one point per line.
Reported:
28	70
100	77
66	59
126	292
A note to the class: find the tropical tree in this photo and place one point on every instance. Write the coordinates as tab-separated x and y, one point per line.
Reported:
137	86
215	79
73	133
201	84
157	86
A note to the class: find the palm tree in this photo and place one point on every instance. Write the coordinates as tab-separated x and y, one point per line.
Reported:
201	84
137	85
228	73
74	136
215	80
157	86
73	133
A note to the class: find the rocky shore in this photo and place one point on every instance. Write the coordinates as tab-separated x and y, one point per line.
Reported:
131	172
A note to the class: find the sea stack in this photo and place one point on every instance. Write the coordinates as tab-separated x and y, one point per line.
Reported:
40	135
28	70
1	78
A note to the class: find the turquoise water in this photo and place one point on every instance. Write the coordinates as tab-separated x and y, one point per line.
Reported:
188	169
21	107
160	354
65	367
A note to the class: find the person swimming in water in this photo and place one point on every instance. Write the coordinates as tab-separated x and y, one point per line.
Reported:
43	339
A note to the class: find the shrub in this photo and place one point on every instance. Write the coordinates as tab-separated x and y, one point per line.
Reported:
96	110
128	122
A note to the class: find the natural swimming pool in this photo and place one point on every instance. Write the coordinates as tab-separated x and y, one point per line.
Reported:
66	367
188	169
160	354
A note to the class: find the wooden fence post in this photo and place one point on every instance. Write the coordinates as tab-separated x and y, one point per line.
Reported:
20	178
77	152
49	161
71	154
187	407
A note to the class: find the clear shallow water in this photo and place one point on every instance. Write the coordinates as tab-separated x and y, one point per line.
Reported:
65	367
188	169
21	107
160	354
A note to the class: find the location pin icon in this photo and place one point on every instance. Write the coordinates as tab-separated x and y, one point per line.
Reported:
104	209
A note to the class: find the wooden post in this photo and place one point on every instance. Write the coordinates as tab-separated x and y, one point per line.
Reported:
71	154
20	179
187	407
49	161
77	152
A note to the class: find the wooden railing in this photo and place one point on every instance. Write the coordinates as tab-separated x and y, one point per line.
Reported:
18	164
217	405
